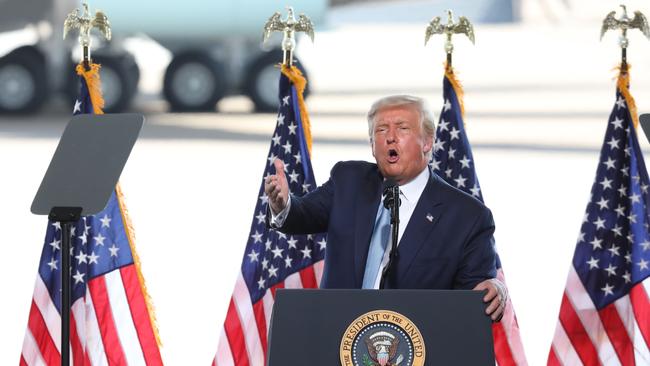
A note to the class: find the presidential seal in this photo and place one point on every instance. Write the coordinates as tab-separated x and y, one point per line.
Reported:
382	338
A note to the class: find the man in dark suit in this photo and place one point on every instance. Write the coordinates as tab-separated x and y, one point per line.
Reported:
445	235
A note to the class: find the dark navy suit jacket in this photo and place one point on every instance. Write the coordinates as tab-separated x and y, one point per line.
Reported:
447	243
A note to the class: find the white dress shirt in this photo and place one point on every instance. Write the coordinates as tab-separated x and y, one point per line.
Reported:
410	195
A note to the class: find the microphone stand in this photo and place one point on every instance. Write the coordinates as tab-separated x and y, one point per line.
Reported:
392	201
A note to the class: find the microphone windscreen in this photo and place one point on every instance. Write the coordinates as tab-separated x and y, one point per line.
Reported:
388	190
389	183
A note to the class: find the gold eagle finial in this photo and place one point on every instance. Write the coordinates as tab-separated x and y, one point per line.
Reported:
625	22
464	26
435	26
288	27
85	23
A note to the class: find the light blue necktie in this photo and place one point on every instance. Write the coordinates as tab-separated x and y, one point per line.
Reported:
378	244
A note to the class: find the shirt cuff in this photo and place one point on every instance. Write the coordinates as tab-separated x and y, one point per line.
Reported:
277	220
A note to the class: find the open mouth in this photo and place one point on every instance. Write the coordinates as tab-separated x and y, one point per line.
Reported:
393	156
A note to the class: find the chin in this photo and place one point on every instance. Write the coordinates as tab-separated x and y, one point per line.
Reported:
391	173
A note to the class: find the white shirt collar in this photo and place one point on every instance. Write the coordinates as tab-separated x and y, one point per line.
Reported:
413	189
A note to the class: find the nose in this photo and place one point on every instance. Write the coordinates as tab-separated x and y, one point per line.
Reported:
391	135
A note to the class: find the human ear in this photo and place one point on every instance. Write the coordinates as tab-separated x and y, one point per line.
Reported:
428	143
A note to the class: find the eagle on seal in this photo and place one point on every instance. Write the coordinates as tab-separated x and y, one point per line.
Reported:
382	348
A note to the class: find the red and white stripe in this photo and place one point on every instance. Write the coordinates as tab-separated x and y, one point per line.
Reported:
619	334
110	325
508	349
243	340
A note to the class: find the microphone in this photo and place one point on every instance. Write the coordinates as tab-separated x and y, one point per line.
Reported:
391	196
391	191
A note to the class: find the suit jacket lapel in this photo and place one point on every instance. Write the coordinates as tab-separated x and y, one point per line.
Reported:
420	226
366	211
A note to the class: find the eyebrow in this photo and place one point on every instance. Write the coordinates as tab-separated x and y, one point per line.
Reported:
398	122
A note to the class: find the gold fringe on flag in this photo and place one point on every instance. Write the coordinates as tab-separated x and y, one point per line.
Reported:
623	84
94	85
300	83
458	88
130	234
94	89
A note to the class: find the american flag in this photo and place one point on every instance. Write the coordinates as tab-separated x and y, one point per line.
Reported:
272	259
453	161
110	321
605	314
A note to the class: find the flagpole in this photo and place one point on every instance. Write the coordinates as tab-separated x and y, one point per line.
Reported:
624	61
624	43
67	216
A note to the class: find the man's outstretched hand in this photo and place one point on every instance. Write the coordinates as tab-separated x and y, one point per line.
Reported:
276	188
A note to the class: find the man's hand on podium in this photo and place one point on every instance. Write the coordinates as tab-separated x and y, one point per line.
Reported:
496	296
